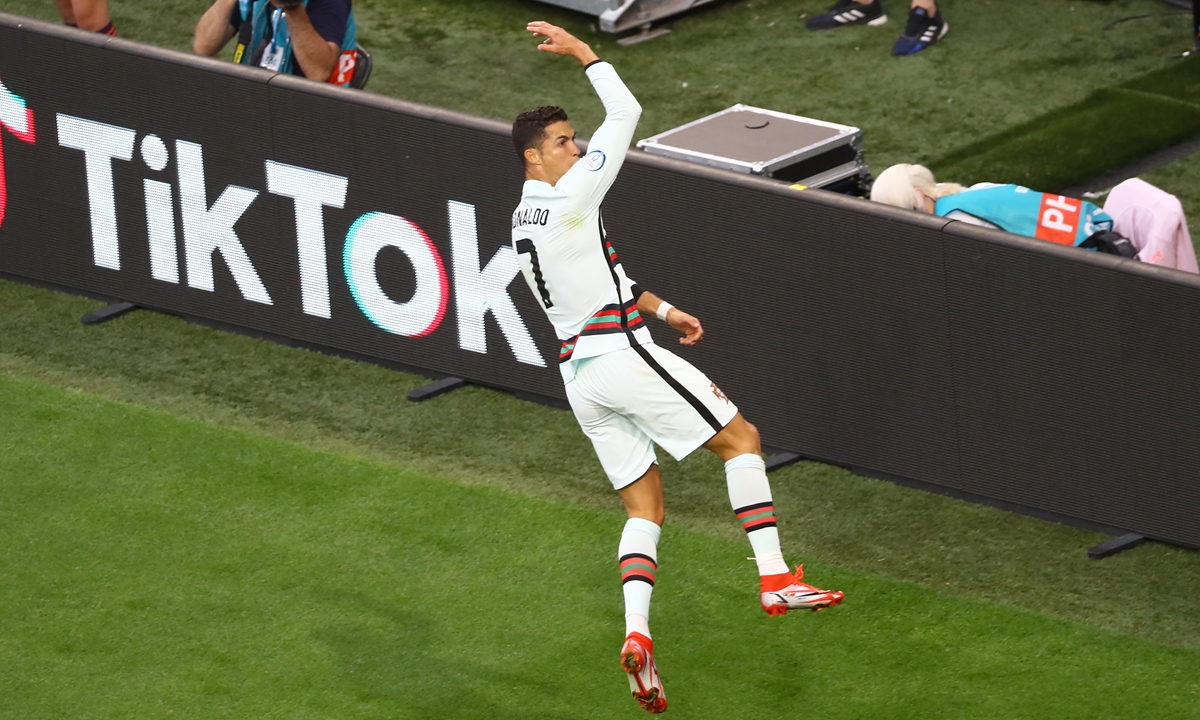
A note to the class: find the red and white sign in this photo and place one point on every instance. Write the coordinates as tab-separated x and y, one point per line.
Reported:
1058	219
344	71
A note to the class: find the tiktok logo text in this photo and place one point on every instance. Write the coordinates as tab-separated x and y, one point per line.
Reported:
18	119
208	229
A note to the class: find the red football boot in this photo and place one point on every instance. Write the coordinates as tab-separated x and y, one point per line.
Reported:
784	592
637	660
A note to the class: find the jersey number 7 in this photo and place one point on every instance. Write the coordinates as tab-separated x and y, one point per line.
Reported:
525	247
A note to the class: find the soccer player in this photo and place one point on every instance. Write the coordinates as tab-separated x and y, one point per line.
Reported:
626	392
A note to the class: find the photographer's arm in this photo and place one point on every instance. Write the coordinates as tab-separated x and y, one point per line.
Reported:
317	56
213	29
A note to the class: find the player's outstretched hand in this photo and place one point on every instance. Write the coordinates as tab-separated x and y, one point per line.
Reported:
686	324
561	42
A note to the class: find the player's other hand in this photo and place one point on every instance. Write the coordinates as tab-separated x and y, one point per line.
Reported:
686	324
561	42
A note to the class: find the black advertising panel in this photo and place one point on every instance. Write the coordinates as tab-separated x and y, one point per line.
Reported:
1014	370
1077	381
826	324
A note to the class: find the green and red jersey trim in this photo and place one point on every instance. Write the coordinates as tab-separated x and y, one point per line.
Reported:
612	253
605	322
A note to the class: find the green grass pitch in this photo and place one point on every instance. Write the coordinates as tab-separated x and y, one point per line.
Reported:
202	524
163	567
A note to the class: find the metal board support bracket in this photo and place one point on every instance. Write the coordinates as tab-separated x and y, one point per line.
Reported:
1116	545
783	459
432	390
107	313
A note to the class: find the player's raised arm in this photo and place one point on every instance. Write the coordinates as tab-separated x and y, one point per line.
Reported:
591	177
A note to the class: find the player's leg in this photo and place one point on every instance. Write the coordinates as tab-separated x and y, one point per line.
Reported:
750	491
638	551
88	14
67	12
678	407
750	495
628	458
638	558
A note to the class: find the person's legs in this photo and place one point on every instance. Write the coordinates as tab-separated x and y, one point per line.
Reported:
627	455
638	558
67	12
750	495
925	26
848	12
644	498
89	15
638	551
750	492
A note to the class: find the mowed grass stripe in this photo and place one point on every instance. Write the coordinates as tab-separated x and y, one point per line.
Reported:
157	566
483	437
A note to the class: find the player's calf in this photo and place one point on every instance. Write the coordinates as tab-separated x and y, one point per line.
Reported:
750	495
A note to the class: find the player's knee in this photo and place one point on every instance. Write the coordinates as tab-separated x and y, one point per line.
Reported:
747	438
91	16
753	438
652	511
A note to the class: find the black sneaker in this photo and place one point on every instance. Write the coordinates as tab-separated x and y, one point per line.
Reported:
920	32
848	12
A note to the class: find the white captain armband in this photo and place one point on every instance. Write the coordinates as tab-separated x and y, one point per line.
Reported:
663	308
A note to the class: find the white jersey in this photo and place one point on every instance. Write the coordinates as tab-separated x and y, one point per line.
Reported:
558	234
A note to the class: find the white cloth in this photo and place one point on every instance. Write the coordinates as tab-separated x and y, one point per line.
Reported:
1153	221
625	404
559	237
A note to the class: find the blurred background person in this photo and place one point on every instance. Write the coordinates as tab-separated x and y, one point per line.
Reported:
1013	208
1154	222
87	14
315	39
925	25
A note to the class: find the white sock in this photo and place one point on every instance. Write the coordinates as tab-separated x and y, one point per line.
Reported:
750	496
638	556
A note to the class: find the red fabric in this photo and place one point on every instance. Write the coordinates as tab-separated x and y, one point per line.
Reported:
771	583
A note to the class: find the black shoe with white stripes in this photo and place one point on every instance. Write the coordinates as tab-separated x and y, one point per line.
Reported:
920	32
848	12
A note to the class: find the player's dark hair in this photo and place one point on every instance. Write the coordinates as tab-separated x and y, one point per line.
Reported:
529	129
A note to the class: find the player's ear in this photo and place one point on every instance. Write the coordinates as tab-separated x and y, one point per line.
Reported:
533	156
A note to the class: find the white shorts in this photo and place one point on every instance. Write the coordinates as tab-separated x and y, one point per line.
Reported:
630	399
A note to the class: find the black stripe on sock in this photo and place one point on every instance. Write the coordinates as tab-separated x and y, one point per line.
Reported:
631	556
755	506
638	578
760	526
